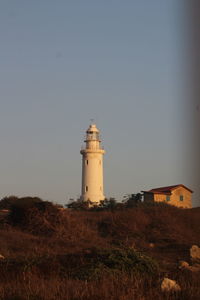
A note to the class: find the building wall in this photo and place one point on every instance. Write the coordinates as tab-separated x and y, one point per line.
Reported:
187	197
175	198
148	197
160	198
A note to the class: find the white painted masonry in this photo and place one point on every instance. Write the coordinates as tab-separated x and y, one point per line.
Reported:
92	167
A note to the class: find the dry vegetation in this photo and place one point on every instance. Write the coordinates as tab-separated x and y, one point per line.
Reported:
100	255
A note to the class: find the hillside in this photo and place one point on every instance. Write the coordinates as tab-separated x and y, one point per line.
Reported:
121	254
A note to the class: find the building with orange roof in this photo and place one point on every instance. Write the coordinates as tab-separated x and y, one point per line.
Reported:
178	195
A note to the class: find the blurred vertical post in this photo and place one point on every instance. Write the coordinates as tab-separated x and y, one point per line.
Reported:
193	41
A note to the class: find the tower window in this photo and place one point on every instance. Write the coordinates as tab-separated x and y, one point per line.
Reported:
100	162
167	198
86	188
87	161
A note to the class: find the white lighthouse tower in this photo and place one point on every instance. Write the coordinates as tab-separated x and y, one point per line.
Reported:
92	167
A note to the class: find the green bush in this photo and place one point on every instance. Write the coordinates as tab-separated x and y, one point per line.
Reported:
127	260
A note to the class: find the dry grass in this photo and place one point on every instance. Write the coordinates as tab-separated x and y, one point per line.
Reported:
33	268
123	287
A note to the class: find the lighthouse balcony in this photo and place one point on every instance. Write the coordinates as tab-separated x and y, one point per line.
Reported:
95	150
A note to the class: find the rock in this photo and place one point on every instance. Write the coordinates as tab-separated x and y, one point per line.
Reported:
195	253
2	257
193	268
151	245
183	265
169	285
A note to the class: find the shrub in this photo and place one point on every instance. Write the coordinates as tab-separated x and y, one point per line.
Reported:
34	215
19	209
9	202
127	260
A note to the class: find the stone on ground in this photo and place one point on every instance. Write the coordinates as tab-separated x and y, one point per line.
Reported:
195	253
169	285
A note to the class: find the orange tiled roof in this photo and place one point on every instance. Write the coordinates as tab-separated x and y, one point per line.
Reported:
167	189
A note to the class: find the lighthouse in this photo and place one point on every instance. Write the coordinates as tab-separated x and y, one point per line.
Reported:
92	167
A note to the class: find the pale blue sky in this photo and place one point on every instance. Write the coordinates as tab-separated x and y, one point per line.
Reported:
65	62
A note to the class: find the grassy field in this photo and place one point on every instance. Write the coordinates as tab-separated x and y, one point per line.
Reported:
99	255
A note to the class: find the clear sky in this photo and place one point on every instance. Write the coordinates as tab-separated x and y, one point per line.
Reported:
64	62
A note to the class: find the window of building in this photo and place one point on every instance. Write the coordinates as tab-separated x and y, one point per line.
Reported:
181	198
87	161
86	188
167	198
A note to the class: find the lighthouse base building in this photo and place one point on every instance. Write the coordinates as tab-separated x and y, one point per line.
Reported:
92	167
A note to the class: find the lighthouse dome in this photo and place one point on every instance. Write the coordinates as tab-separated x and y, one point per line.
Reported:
92	128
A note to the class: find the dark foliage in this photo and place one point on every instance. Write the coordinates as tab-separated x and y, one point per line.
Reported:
7	202
34	215
114	261
79	205
132	200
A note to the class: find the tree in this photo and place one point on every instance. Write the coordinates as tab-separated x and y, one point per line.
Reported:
79	205
110	203
132	200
